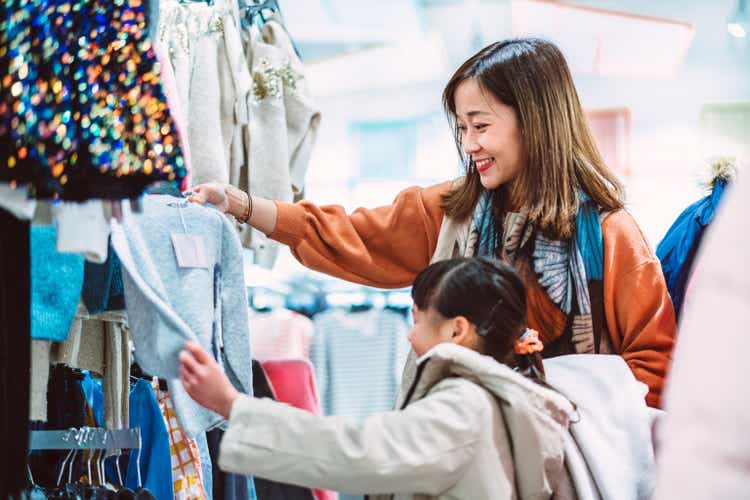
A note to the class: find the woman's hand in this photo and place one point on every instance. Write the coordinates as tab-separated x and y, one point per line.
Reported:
258	212
214	193
205	381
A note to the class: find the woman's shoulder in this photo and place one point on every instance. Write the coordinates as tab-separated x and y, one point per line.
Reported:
432	195
623	238
621	224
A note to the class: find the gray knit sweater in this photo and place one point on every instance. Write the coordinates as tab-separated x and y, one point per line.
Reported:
168	304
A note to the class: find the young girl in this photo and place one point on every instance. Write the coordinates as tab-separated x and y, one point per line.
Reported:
471	426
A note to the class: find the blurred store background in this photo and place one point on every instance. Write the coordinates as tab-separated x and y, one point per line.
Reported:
666	85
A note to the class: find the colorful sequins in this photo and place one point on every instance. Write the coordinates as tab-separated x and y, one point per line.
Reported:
82	111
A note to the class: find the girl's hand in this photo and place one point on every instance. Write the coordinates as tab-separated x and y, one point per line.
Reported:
212	192
205	381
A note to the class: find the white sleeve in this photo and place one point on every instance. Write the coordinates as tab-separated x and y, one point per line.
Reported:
424	448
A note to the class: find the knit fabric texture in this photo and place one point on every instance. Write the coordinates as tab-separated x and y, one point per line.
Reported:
281	129
56	282
102	285
168	304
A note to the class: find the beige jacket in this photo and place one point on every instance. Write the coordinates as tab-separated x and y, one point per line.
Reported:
471	429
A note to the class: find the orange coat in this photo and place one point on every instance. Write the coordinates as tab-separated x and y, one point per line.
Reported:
387	246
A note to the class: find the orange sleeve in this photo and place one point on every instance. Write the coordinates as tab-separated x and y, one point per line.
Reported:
384	247
639	312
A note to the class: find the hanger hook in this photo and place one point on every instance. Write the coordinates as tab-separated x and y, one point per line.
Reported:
138	460
88	468
31	476
117	467
62	467
100	467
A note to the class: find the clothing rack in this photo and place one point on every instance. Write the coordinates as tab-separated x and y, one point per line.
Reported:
85	438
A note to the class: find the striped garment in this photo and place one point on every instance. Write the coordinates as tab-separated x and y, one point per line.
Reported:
358	359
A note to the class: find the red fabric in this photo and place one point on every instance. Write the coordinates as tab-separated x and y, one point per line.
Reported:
294	384
293	380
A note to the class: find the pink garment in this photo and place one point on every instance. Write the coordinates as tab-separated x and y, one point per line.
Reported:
293	381
280	334
169	85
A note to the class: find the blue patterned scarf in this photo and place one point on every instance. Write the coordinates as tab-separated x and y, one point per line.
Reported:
567	270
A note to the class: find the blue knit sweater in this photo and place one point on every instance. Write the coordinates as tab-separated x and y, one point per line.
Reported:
168	304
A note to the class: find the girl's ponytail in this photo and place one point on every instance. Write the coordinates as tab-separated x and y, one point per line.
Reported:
527	350
491	295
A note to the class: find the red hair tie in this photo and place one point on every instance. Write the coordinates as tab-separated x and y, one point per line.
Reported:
528	343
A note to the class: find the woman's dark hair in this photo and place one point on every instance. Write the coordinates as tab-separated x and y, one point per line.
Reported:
531	76
488	293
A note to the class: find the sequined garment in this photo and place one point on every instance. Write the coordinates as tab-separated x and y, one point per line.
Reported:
181	25
82	111
273	82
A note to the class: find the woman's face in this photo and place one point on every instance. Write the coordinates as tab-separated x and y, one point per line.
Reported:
490	134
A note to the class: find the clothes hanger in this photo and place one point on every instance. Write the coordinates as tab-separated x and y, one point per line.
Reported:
97	441
254	14
102	475
137	373
124	493
35	491
254	11
70	491
141	493
209	2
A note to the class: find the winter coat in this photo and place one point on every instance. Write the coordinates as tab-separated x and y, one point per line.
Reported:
471	428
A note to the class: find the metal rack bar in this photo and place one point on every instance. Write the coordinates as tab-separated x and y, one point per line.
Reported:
85	438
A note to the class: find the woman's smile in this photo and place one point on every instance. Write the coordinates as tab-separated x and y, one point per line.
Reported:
484	164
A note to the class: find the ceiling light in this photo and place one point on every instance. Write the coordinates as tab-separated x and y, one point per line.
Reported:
739	24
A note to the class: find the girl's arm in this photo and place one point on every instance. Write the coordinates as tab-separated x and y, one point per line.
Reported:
424	448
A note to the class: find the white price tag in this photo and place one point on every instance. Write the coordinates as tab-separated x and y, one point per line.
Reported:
190	250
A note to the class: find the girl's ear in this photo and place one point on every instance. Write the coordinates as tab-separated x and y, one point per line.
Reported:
461	327
464	333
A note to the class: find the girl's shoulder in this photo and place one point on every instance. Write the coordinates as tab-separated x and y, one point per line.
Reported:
466	392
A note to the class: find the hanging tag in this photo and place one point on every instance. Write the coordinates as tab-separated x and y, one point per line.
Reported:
190	250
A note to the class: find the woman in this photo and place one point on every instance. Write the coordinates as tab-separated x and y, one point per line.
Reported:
536	195
452	438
